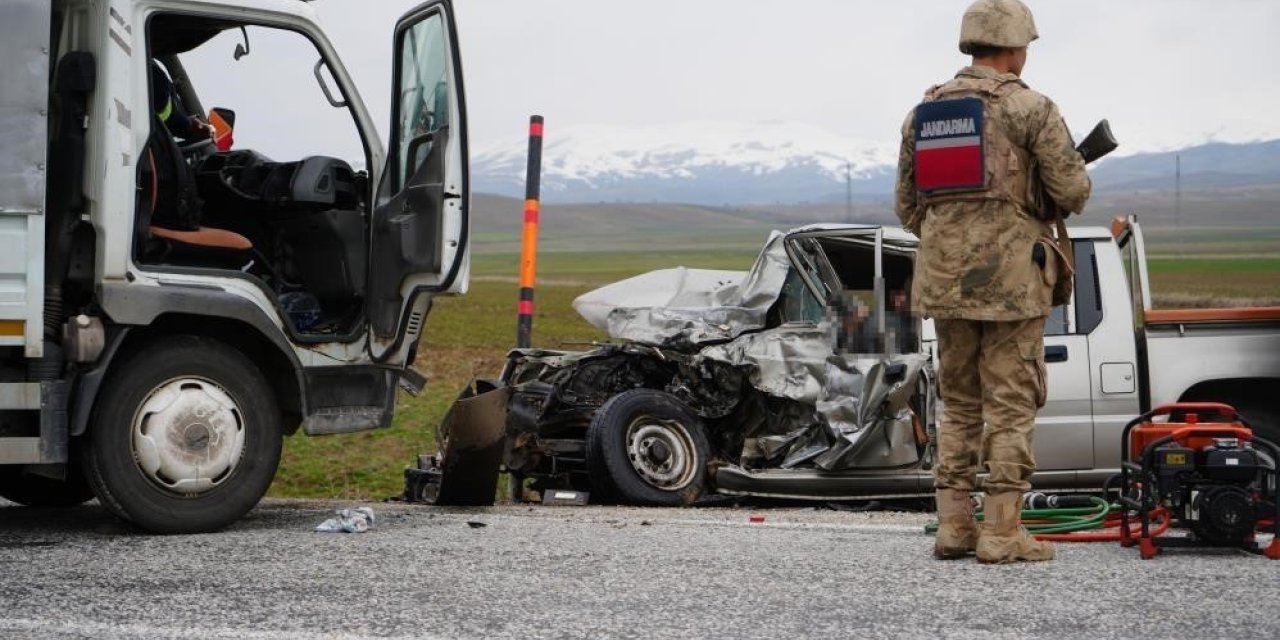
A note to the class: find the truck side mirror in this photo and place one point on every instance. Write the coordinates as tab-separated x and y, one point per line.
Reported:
224	124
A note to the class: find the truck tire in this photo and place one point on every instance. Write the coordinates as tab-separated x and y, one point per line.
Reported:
185	438
645	447
38	491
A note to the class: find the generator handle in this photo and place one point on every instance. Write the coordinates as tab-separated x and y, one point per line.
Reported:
1215	407
1244	434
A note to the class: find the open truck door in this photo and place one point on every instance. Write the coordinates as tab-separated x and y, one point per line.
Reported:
420	222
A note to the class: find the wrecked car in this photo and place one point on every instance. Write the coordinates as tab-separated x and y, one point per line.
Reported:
802	377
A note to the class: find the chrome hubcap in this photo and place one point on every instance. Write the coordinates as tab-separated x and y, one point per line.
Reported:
188	436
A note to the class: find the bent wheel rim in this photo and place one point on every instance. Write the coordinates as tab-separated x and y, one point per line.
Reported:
662	453
188	436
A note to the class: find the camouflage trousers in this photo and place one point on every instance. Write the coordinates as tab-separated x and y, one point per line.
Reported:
991	373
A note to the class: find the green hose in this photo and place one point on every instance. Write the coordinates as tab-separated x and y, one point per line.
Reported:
1059	520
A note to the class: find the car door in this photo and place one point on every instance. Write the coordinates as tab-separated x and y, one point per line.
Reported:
1064	426
419	228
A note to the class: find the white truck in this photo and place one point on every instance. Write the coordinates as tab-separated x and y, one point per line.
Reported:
171	309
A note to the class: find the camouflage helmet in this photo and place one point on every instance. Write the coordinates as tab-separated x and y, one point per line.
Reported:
997	23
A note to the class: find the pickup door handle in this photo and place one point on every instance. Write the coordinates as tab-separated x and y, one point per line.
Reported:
1055	353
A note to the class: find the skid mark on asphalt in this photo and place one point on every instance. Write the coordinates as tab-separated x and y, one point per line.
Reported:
851	528
91	629
658	521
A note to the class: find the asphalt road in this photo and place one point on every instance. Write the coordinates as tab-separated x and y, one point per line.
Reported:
595	572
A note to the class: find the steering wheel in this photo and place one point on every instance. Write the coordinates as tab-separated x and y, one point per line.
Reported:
196	148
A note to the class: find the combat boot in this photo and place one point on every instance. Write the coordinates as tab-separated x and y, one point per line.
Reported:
957	531
1002	538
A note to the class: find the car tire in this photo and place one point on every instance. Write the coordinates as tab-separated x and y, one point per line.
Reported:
185	437
38	491
645	447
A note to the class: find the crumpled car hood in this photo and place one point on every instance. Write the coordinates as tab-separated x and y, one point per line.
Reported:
681	307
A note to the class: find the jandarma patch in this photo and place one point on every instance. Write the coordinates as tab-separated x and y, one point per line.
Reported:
948	136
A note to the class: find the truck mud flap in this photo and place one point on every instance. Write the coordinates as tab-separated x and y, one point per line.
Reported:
472	435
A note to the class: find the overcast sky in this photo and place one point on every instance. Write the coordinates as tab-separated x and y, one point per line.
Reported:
1166	72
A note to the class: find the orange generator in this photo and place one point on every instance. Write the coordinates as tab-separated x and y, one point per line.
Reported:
1203	467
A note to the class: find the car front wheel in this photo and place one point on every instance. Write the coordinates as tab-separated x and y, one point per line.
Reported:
646	447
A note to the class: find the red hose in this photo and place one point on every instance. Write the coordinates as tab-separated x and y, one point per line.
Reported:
1135	529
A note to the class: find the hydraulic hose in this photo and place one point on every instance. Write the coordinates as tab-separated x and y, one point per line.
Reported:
1078	524
1097	522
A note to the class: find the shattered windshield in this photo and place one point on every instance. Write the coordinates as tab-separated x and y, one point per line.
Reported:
797	303
812	263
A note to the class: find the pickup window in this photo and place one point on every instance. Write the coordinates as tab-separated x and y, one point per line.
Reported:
1087	305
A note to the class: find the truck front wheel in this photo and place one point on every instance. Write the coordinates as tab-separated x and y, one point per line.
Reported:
186	437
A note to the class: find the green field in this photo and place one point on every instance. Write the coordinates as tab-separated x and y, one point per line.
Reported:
468	336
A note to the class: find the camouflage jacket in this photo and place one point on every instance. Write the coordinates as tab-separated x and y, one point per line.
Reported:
976	255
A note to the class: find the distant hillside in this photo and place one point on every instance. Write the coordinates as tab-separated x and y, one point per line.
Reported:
783	164
497	222
1225	220
1210	165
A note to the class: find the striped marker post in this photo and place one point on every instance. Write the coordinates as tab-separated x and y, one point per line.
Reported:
529	241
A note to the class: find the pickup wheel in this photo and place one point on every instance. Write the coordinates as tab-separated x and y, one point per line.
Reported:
646	447
38	491
186	437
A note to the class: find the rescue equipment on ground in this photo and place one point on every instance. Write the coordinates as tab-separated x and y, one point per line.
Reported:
1213	478
1072	518
1216	478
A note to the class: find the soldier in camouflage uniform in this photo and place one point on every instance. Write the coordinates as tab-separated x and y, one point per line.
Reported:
974	155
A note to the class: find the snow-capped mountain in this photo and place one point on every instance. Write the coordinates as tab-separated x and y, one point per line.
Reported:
703	163
719	163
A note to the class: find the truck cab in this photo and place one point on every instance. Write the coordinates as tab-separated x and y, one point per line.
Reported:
179	292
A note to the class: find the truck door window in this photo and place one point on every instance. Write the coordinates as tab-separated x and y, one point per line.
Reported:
424	95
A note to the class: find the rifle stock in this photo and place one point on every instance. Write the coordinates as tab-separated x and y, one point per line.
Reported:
1098	143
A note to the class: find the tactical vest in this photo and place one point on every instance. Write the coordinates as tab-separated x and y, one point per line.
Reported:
963	149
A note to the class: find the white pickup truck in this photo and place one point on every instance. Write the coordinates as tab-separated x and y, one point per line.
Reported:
1111	356
745	395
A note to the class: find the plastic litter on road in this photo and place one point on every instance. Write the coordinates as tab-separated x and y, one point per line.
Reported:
358	520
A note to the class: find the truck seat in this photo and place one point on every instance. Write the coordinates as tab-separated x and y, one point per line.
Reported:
200	241
206	237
